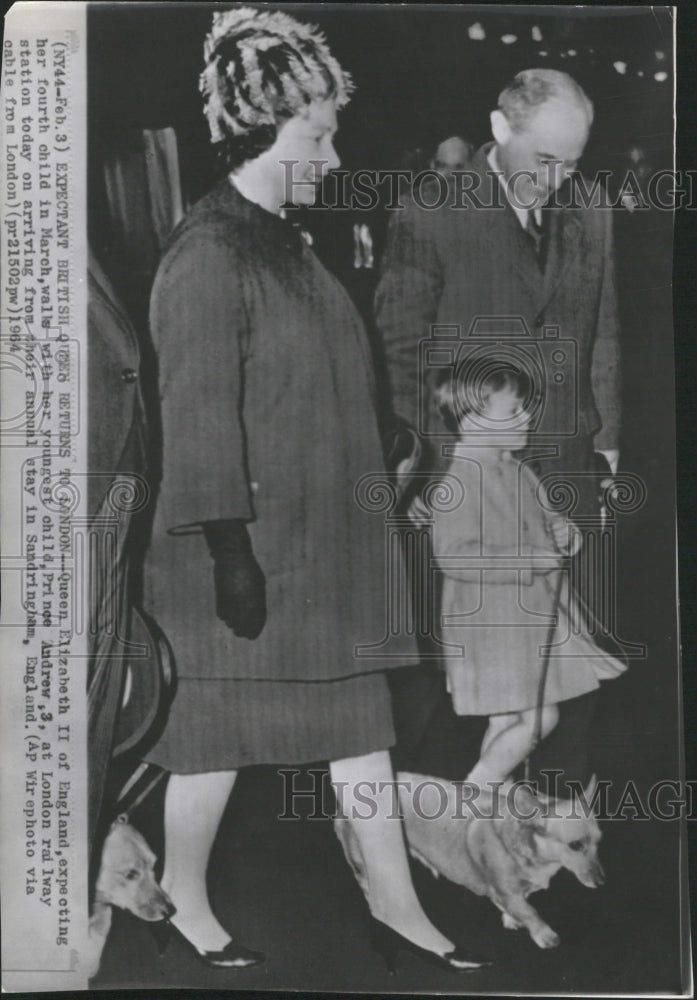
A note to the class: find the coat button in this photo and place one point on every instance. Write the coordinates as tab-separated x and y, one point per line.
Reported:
129	375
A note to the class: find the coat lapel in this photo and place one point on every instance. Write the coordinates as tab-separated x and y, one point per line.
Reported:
564	243
503	230
523	257
509	244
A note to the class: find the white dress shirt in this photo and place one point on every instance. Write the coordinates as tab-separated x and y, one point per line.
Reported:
521	213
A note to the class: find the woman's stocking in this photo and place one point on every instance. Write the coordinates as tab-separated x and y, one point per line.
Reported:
375	848
194	805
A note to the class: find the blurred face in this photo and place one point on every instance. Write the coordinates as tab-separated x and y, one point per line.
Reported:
538	160
451	155
302	154
502	421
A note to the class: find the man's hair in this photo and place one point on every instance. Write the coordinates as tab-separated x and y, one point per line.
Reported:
521	100
468	389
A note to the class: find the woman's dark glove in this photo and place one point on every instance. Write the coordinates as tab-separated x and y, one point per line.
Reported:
240	585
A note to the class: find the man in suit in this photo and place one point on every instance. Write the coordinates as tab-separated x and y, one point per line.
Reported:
515	262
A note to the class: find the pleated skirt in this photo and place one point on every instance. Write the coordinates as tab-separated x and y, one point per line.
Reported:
221	725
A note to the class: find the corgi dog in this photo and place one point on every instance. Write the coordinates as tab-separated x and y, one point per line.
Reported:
125	880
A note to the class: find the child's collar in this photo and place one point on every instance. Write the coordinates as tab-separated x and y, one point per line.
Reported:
468	444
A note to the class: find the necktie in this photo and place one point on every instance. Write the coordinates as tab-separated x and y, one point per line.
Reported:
535	231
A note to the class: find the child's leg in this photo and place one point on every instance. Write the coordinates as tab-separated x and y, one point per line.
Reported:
497	724
510	745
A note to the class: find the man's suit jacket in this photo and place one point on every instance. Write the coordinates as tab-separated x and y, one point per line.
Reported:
452	266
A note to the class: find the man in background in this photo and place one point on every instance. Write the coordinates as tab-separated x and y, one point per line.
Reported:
452	153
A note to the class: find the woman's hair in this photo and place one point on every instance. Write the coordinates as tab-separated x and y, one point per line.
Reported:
467	388
262	68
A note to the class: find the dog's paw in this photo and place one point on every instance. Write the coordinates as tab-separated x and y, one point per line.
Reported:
545	937
510	923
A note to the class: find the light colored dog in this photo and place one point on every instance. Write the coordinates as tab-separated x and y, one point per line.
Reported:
125	880
493	852
505	853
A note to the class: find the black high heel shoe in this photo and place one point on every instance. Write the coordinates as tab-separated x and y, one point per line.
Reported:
232	956
389	942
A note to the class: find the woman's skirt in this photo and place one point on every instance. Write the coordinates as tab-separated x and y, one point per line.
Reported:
222	725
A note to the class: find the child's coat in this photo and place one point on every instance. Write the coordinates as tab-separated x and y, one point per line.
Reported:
496	605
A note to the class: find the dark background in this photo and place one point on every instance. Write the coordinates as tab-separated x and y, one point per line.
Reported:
419	79
418	75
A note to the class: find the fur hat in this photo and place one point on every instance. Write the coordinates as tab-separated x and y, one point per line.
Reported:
263	67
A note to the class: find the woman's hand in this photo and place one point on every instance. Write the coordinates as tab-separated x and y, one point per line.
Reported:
240	595
240	585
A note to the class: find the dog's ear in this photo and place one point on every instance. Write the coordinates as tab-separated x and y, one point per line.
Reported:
523	817
590	788
525	806
149	855
517	834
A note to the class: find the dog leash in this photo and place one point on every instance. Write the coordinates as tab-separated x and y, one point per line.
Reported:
537	731
125	814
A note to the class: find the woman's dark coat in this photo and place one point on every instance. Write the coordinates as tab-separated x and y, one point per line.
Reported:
268	415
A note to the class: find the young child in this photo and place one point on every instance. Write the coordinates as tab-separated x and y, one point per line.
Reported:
501	552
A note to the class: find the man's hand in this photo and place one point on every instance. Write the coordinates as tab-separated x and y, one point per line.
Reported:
401	445
606	463
612	457
240	585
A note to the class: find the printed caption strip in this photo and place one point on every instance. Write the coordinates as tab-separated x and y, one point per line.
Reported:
43	639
